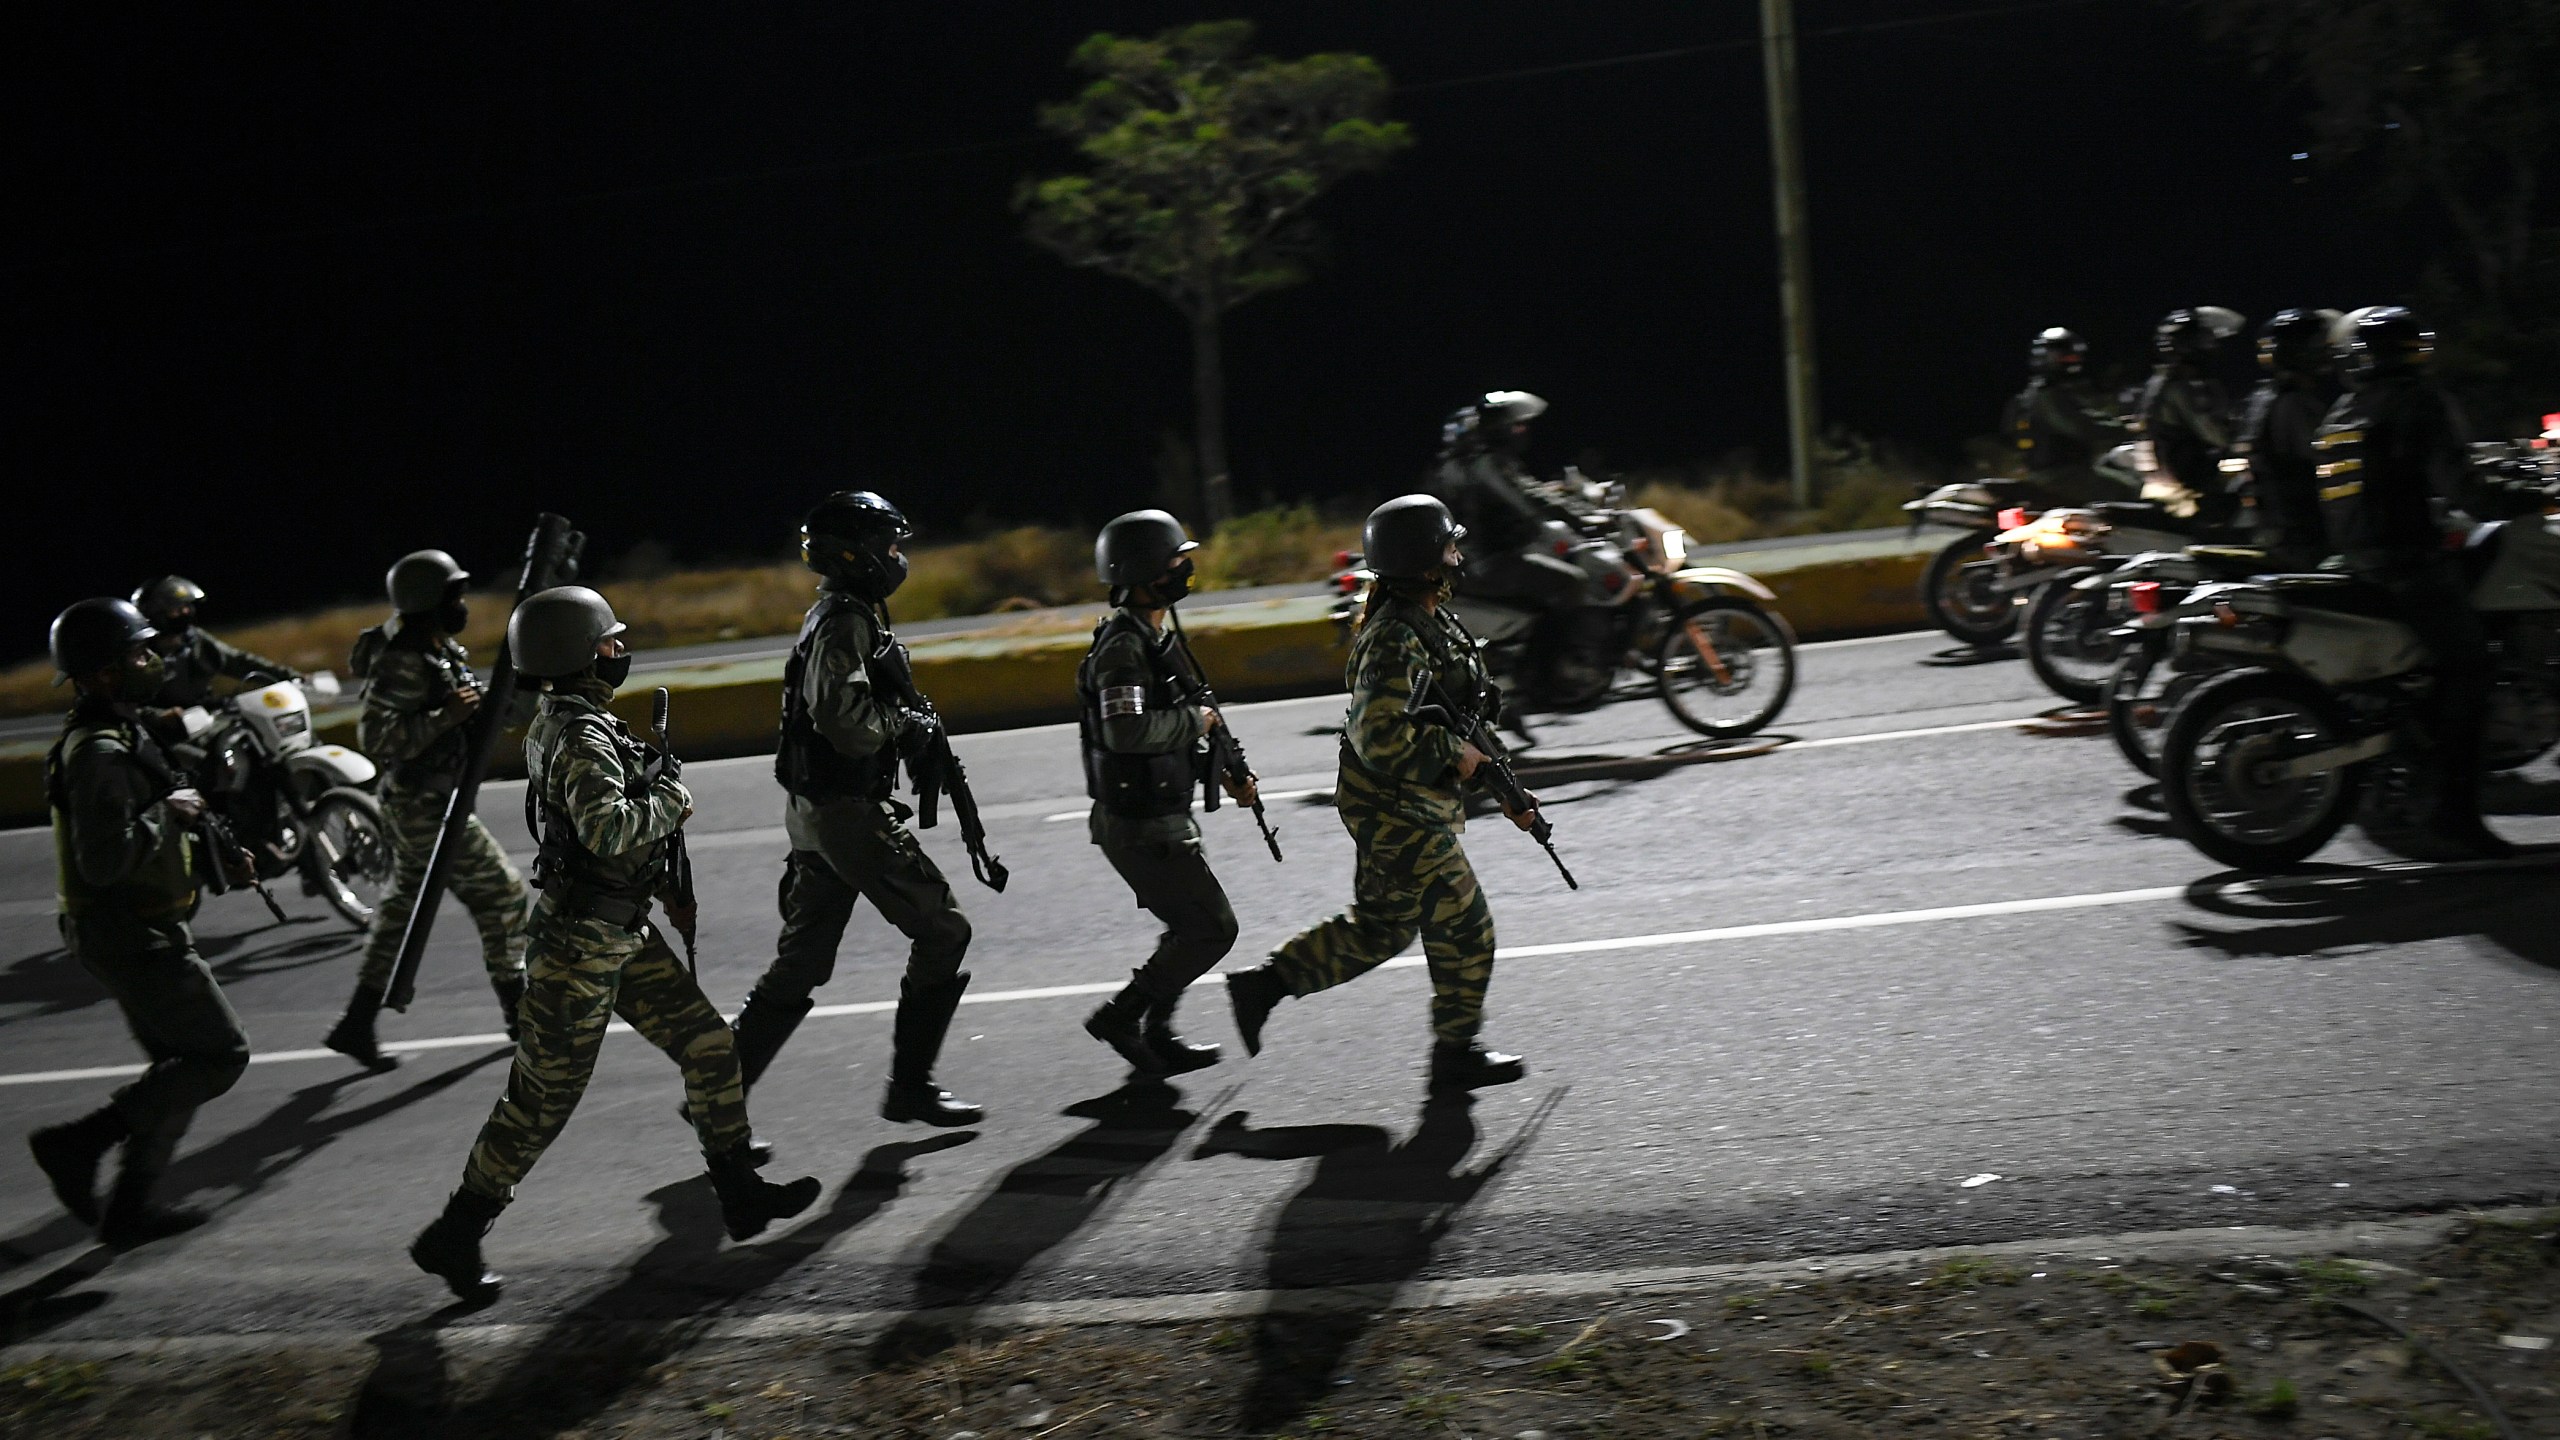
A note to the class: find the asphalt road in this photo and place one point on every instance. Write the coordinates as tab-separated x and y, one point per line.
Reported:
1925	943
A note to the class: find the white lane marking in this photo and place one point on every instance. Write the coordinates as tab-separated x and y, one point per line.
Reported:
1872	737
1865	640
1879	920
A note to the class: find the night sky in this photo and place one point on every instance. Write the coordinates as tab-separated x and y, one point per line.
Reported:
291	299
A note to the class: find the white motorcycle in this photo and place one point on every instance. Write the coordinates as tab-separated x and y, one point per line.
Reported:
2262	765
296	805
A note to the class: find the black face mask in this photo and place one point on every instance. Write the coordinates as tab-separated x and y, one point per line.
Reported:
1175	583
138	678
614	671
452	615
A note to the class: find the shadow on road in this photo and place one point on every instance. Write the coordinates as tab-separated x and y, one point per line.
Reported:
2347	909
587	1358
1364	1223
1037	1206
1960	656
51	982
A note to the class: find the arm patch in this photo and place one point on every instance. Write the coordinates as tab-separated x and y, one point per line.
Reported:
1118	700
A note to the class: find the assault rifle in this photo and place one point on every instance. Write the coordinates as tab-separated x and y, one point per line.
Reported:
1226	752
933	766
1474	725
214	833
681	900
550	558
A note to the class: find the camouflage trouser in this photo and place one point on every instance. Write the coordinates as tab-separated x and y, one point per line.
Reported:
1408	879
579	974
483	879
181	1020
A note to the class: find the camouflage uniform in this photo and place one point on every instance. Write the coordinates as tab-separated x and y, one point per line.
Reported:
1398	793
849	841
421	745
200	659
124	873
1136	710
593	954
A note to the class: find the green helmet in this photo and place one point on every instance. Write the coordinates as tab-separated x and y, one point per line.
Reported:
1139	546
94	634
554	633
420	580
1407	537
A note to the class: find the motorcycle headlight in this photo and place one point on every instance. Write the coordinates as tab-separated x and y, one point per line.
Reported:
1675	547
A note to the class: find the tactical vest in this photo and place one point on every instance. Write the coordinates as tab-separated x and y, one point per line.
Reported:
1457	667
578	882
1138	786
163	885
804	763
2376	518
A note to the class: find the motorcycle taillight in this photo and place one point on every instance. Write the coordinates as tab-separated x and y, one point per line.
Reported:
2145	595
1564	547
2013	517
1341	559
1346	583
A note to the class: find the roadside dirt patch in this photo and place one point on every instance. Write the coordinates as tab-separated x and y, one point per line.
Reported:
2335	1347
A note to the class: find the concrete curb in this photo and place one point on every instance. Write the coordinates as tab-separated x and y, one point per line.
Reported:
1023	672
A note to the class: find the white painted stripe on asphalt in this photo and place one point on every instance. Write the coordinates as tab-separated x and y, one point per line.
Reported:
1880	920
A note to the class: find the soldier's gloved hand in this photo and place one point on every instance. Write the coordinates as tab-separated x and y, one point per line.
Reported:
917	732
683	917
238	867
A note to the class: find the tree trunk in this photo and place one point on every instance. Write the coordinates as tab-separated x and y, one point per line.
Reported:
1209	418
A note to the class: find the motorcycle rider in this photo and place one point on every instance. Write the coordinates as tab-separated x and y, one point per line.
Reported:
195	659
2393	460
1400	792
420	697
2060	423
2186	412
841	743
1143	742
126	847
1486	485
2277	430
603	812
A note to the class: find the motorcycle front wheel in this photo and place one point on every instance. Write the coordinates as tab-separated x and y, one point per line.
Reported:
1962	602
1726	666
346	854
2142	696
2068	644
2216	763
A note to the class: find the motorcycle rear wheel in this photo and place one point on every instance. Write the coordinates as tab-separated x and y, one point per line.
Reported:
2067	641
1739	679
2232	724
1956	600
2143	694
347	854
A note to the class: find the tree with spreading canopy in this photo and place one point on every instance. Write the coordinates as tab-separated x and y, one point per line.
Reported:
1201	160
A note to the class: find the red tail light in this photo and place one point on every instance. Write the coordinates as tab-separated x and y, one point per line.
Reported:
1347	584
2551	422
1341	559
1564	547
2013	517
2146	597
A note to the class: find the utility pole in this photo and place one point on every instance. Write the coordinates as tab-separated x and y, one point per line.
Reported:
1795	250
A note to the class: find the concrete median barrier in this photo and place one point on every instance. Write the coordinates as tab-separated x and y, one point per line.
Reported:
1022	671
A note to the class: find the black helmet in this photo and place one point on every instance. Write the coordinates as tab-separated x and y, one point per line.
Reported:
94	634
1138	547
555	632
170	601
1494	422
846	537
2197	333
2385	340
1406	537
2297	340
420	580
2058	354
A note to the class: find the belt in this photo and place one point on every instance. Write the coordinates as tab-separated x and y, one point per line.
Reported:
621	912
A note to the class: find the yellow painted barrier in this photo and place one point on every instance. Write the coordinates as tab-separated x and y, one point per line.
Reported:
1024	673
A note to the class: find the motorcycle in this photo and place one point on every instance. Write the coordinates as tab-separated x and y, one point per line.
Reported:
2138	599
297	806
1721	659
2263	764
1964	588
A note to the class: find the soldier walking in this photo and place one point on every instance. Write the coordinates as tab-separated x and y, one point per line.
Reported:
1400	796
843	734
601	811
1144	757
122	839
420	698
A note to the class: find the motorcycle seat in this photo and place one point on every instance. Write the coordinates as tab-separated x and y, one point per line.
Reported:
2150	514
2228	562
2345	594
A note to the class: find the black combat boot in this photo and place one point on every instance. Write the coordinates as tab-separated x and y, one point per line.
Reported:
1179	1056
449	1248
924	1017
1470	1066
1121	1023
132	1219
749	1202
1254	993
69	1153
764	1022
510	992
353	1035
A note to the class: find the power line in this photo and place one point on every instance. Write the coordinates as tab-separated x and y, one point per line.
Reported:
877	160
